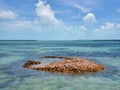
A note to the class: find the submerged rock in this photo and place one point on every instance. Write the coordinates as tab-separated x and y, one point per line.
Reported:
68	65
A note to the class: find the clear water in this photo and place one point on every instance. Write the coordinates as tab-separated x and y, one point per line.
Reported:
14	53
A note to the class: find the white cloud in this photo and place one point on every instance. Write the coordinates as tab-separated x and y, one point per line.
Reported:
48	23
80	6
83	5
45	23
83	28
83	9
109	26
15	25
45	20
90	17
45	13
107	31
7	14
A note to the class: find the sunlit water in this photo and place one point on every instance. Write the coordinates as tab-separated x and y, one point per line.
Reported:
13	54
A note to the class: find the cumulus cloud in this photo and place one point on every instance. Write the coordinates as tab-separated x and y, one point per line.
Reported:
109	26
45	20
7	14
90	17
45	13
107	30
47	24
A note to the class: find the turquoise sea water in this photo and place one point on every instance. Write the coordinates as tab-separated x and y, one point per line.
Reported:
13	54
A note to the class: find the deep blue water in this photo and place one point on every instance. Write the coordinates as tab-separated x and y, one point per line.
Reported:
13	54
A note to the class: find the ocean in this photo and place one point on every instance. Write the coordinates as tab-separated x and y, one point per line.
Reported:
13	54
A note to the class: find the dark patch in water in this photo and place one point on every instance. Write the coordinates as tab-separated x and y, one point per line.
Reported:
7	83
63	43
15	71
25	47
55	49
24	51
85	54
109	72
3	55
115	50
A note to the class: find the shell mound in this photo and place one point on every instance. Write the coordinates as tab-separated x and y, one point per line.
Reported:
68	65
29	63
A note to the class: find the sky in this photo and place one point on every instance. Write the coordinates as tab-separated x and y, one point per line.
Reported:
59	19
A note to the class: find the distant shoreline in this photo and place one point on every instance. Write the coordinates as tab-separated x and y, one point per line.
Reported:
65	40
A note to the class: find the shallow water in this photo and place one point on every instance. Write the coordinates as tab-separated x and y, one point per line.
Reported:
13	54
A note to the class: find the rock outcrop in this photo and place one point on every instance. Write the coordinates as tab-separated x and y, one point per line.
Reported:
68	65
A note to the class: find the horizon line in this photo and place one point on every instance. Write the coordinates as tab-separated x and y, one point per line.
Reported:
60	40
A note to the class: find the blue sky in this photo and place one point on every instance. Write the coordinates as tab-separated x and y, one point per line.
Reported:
59	19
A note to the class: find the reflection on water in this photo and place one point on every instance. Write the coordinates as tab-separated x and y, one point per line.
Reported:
14	53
